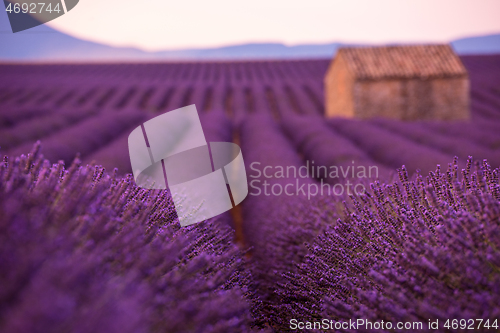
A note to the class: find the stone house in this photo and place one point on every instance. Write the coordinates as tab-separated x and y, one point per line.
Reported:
417	82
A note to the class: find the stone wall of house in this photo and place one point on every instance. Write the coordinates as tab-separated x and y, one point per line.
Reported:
339	82
412	99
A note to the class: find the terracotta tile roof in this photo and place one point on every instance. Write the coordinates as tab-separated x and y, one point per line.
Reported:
372	63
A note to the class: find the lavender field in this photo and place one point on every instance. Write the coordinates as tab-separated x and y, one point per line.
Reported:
82	249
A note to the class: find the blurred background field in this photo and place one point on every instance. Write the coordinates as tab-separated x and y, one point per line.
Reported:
91	108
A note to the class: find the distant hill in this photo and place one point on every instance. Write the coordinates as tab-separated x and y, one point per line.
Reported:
478	45
43	43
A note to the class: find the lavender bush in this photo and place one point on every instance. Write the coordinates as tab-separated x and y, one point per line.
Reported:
415	250
85	251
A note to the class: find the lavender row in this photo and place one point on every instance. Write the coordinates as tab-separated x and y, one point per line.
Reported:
480	132
275	224
12	116
86	136
331	156
461	147
216	127
39	127
389	149
271	164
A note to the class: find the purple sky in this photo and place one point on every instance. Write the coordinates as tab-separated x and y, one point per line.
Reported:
166	24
